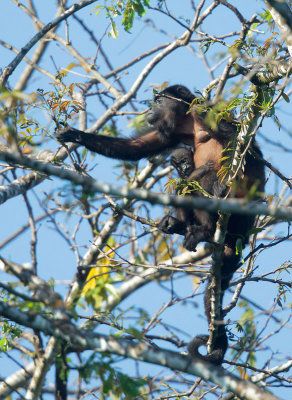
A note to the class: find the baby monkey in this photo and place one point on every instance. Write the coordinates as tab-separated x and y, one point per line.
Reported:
182	159
183	223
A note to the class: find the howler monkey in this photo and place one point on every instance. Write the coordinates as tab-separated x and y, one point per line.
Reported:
174	123
182	159
171	127
184	220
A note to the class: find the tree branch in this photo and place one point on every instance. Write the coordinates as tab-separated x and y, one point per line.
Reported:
14	63
282	15
63	330
16	380
89	184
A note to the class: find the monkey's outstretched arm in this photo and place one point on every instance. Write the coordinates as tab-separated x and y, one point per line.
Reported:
124	149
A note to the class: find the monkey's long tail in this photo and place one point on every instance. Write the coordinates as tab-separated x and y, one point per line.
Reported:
216	356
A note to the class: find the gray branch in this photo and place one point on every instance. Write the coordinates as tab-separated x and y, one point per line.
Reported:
11	67
278	71
282	16
211	205
283	9
16	380
29	181
63	330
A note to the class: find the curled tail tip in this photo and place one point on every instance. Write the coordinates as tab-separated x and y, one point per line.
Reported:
216	357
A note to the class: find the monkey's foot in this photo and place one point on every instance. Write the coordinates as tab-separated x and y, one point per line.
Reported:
169	224
190	242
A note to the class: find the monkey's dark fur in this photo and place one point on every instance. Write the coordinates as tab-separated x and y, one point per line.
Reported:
182	159
173	124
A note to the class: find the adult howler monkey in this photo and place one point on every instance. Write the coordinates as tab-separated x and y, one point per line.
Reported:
174	125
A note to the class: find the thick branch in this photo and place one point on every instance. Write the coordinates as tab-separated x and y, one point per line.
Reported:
41	289
42	366
283	9
215	282
87	340
24	183
282	15
210	205
278	71
16	380
11	67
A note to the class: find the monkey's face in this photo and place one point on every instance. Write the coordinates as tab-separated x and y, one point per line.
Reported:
162	115
183	161
171	104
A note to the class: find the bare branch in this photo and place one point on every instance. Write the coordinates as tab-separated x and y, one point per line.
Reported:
63	330
16	380
11	67
207	204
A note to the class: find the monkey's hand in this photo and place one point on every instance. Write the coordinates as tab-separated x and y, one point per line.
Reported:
69	134
209	165
169	224
196	234
191	239
201	171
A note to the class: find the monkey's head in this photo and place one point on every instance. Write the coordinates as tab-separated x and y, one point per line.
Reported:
182	159
169	105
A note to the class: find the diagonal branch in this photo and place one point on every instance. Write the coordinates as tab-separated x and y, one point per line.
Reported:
16	380
14	63
201	203
181	41
282	15
82	340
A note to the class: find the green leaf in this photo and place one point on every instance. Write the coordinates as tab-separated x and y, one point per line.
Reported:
110	288
98	8
114	33
128	19
4	344
285	97
130	386
277	121
139	9
255	230
137	334
239	246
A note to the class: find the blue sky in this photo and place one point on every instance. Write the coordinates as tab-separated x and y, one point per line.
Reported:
55	259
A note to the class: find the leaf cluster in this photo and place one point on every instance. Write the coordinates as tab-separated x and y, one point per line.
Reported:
60	108
183	187
10	332
125	8
114	382
99	282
